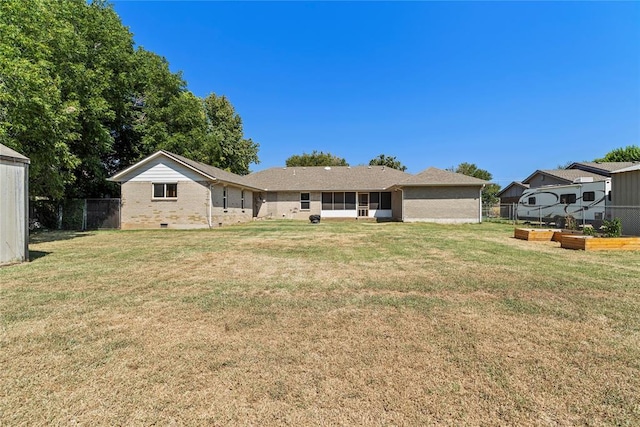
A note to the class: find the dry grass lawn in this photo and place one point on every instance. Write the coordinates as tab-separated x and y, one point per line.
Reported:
288	323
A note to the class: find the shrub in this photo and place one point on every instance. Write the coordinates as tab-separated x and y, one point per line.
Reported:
612	228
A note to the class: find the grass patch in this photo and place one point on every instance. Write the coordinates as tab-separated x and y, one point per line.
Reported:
345	323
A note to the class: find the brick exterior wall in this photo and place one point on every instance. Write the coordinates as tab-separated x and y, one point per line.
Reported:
189	210
442	204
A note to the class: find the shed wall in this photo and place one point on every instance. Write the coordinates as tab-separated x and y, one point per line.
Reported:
625	192
14	233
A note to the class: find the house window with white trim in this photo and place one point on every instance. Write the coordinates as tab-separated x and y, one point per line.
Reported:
305	201
165	190
224	198
242	199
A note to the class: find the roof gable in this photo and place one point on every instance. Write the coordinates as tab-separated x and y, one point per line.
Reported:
210	173
13	155
512	185
439	177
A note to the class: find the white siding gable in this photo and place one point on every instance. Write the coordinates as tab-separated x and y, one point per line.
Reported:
162	169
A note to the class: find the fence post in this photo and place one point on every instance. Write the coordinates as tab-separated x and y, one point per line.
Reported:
84	215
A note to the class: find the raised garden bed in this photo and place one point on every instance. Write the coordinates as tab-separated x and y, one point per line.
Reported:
590	243
534	234
559	234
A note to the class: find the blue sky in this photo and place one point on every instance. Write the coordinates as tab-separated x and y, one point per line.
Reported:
510	86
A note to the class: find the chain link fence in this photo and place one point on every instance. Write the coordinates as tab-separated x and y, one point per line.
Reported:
629	216
76	214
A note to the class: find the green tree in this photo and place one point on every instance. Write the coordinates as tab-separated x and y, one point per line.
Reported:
63	80
490	191
226	137
82	103
388	161
316	159
630	153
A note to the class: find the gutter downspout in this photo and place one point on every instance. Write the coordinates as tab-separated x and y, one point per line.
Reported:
480	216
209	208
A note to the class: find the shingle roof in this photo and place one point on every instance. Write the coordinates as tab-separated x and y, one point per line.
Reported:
568	175
8	153
438	177
603	166
633	167
210	172
319	178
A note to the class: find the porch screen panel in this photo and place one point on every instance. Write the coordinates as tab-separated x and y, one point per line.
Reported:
327	201
374	200
350	201
338	201
385	200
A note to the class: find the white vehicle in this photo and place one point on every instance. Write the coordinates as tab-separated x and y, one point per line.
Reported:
585	200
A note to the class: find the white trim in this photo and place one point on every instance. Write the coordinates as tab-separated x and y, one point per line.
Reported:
146	160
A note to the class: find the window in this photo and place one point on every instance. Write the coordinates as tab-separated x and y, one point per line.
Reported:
165	191
385	200
374	200
224	198
305	201
531	201
350	201
327	201
242	199
338	201
609	195
567	199
589	196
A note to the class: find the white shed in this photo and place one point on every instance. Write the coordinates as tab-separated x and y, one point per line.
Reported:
14	206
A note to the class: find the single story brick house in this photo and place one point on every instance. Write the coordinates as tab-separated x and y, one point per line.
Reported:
168	190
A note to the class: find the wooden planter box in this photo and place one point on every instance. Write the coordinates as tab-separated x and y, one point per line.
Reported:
559	234
534	234
589	243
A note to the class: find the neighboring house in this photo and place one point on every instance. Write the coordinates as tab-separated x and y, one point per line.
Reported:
559	177
509	198
167	190
625	198
14	206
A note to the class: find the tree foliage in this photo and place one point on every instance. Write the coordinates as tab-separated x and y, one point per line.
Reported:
388	161
630	153
316	159
82	103
490	191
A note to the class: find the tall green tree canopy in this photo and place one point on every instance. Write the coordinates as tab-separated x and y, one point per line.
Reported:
388	161
82	103
226	136
490	191
316	159
630	153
